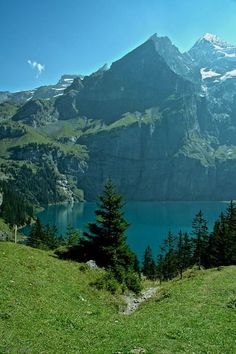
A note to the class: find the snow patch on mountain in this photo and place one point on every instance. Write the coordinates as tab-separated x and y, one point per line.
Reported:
232	55
208	74
229	75
210	37
216	41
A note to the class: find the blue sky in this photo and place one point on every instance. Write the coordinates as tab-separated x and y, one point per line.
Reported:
42	39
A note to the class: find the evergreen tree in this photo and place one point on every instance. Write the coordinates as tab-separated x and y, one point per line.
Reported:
51	240
231	233
201	238
36	238
169	262
44	237
149	267
160	267
222	243
184	256
219	243
15	210
106	239
72	236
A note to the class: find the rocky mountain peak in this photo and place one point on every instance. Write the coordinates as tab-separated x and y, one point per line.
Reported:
216	41
180	63
214	44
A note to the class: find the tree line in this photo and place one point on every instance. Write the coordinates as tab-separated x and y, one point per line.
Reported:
201	247
105	242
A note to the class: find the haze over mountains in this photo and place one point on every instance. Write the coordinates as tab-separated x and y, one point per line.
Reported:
161	123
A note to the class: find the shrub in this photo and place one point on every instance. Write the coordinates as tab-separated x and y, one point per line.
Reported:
133	283
107	282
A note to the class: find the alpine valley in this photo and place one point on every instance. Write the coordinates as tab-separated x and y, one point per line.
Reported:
160	123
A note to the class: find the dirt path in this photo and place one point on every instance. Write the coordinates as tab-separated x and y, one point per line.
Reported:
133	302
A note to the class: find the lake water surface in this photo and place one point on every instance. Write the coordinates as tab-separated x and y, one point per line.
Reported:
150	221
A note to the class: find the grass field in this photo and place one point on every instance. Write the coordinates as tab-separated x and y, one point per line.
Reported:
47	306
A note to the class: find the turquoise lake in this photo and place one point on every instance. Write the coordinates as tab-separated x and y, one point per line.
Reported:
149	221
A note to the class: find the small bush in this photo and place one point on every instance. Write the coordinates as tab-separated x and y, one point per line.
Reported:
133	282
107	282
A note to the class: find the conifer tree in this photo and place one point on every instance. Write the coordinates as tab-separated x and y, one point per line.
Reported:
231	233
159	268
219	243
51	240
72	236
201	238
169	262
36	238
183	252
149	267
106	239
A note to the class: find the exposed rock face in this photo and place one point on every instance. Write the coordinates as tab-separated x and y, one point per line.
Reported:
37	153
154	169
36	113
66	106
140	80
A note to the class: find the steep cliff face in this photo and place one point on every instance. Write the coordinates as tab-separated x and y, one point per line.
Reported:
144	156
151	162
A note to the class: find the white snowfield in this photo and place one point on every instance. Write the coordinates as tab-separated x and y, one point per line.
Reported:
229	75
208	74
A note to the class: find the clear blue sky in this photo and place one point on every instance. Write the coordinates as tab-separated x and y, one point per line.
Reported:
79	36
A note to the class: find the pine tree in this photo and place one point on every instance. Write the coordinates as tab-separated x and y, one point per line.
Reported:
159	268
169	262
72	236
106	239
44	237
149	267
51	240
218	242
231	236
183	252
36	238
201	238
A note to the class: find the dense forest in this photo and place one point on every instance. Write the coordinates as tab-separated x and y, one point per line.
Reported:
14	208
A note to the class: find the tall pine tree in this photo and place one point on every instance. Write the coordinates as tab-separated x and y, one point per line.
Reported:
36	238
149	267
169	260
231	237
106	239
183	252
201	238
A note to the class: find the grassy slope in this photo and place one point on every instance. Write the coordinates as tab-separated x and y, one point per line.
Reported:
36	136
47	306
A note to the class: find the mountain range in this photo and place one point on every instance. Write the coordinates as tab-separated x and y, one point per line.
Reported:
160	123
